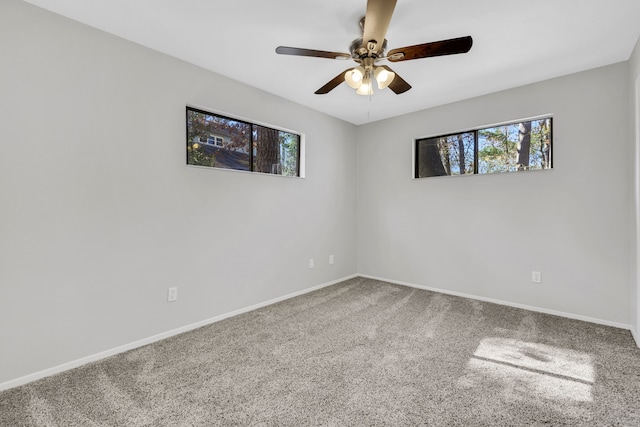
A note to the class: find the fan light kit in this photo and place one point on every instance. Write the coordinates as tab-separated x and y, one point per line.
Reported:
367	51
360	77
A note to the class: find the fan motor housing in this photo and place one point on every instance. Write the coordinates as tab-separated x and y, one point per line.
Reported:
359	51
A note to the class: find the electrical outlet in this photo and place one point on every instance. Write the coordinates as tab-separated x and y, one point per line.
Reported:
535	277
311	263
330	259
172	294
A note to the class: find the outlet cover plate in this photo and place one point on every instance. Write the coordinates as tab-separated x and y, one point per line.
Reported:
172	294
535	277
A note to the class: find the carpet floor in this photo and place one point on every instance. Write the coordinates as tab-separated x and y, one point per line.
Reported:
359	353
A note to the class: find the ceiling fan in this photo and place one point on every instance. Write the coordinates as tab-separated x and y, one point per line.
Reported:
369	49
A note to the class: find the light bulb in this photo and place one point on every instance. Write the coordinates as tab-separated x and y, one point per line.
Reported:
366	88
354	77
384	77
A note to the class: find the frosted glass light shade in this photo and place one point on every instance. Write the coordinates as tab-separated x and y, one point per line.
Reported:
366	88
383	77
354	77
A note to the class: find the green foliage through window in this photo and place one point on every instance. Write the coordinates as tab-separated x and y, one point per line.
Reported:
222	142
512	147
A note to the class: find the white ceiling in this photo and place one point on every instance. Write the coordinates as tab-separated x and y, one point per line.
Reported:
515	43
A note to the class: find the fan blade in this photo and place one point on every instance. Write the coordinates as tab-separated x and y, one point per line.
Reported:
332	84
285	50
376	21
398	84
427	50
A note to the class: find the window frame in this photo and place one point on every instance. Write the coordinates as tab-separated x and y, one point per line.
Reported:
299	169
475	131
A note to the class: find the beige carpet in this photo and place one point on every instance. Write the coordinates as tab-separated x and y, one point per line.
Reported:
360	353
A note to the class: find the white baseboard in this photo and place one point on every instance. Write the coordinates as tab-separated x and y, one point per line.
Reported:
510	304
149	340
636	336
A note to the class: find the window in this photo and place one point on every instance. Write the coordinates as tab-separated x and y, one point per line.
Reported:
511	147
223	142
213	140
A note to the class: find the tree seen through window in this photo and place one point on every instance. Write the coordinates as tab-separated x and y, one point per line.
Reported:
222	142
511	147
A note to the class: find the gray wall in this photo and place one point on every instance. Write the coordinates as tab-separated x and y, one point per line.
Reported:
100	215
483	235
634	107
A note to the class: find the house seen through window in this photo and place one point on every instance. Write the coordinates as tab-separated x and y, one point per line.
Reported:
223	142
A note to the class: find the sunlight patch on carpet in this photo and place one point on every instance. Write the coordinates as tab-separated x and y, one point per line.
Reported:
529	369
